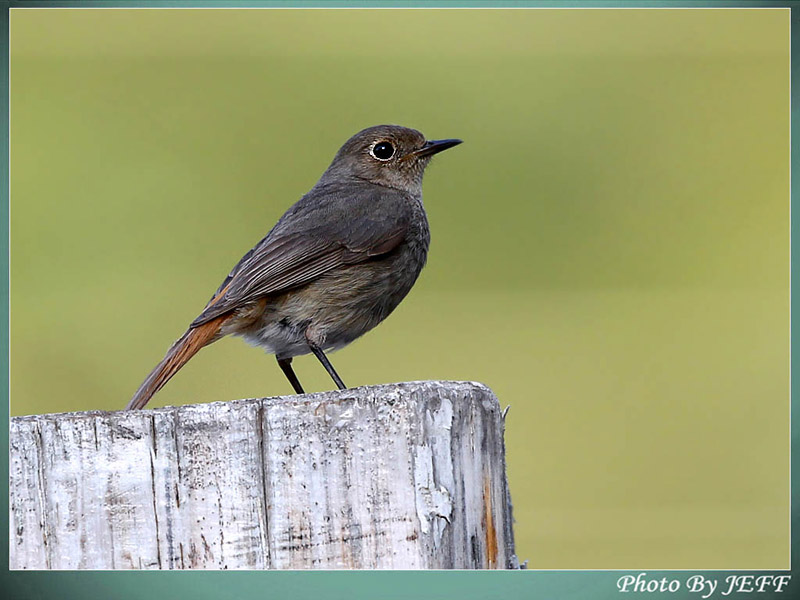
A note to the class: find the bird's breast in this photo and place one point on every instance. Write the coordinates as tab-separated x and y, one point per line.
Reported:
342	304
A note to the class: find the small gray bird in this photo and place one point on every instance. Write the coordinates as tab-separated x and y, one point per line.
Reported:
333	267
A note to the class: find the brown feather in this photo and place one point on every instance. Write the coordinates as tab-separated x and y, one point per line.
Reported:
177	356
285	260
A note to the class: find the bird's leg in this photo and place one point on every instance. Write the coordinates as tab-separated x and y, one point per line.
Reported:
286	366
325	363
328	366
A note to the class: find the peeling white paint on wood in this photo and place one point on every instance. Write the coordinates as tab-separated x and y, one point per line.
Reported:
400	476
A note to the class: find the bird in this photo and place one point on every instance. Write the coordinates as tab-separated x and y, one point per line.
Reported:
334	266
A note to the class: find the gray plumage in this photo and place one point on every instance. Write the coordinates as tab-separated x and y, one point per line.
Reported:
336	264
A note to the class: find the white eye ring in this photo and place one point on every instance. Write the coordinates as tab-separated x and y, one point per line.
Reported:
382	147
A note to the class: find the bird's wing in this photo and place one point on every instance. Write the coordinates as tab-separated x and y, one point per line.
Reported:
288	259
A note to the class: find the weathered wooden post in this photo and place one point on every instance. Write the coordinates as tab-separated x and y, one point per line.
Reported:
408	476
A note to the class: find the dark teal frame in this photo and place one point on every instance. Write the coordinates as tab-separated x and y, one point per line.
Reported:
332	585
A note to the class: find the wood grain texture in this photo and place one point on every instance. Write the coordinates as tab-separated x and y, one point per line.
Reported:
400	476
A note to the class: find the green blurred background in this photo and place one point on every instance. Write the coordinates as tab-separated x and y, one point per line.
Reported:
610	245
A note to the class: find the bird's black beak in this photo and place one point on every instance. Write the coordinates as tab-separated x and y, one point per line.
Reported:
432	147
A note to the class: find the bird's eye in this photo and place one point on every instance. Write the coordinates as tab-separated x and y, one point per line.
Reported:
382	151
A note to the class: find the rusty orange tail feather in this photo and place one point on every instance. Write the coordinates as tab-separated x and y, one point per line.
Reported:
177	356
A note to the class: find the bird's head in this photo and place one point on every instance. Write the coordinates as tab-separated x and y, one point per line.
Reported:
387	155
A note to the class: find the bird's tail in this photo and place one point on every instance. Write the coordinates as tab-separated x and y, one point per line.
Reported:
177	356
